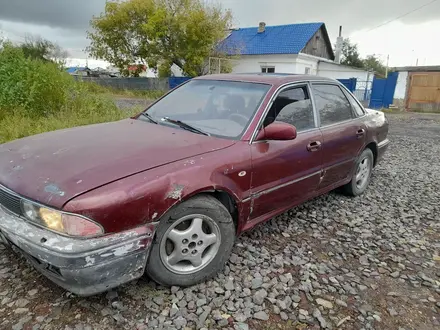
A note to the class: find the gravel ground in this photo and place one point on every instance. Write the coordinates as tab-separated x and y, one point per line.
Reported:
335	262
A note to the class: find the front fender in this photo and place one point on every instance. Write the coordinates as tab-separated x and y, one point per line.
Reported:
146	196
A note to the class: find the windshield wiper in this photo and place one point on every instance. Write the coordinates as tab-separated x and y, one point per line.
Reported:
149	117
185	126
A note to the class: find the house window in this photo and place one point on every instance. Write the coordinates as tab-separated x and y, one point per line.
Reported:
307	70
268	69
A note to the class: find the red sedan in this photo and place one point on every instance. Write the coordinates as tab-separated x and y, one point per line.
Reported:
168	191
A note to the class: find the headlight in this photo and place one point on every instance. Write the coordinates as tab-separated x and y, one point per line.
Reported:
65	223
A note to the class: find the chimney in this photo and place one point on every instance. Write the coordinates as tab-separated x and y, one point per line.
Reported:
261	27
338	49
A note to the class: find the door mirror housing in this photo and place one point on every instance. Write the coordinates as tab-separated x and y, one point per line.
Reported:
277	131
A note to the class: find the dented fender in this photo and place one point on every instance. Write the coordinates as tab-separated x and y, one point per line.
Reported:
147	196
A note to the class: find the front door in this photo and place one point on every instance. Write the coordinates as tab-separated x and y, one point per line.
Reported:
284	173
343	134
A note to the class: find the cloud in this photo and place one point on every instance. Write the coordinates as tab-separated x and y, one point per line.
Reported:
66	21
70	40
61	21
65	14
353	15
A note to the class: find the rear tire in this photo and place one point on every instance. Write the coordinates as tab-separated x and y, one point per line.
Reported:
361	174
192	244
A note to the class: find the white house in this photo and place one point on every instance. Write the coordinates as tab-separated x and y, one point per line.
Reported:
294	48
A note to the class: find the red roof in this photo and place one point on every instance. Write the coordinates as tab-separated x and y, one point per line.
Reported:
136	67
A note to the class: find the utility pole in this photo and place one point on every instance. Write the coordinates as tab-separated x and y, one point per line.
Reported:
386	68
338	50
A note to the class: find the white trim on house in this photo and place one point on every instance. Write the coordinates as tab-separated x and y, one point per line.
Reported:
339	71
298	64
401	85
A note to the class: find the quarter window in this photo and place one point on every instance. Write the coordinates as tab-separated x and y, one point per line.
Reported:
332	105
356	107
293	106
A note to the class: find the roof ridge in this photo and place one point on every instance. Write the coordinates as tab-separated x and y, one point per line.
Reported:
279	25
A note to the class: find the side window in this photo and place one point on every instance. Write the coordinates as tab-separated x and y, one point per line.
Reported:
293	106
357	108
332	104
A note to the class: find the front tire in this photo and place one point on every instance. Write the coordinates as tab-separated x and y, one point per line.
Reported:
361	174
192	244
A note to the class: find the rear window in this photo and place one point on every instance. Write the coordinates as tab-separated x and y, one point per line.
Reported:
332	104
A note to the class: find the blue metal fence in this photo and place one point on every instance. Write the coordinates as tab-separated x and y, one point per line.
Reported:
176	81
349	83
363	91
382	94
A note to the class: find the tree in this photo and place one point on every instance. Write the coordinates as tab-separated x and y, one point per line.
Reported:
372	62
350	54
35	47
351	57
158	33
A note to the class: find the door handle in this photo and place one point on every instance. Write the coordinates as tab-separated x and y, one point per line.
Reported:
314	146
360	133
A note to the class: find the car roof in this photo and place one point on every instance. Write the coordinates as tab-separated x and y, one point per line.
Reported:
264	78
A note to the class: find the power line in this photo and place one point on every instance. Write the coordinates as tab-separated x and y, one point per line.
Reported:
406	14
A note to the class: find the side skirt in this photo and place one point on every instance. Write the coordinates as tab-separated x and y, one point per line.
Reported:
266	217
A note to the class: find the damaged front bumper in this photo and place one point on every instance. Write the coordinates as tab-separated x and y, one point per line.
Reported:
82	266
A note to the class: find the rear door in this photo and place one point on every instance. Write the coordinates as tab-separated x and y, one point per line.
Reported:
343	133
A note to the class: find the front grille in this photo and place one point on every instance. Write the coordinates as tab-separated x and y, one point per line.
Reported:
10	201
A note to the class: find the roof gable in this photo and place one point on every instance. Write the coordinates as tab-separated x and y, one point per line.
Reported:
280	39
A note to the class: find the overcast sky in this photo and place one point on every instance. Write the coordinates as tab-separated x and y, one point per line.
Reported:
407	39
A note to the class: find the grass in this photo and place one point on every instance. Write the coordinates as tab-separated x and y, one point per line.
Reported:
38	96
89	107
18	126
95	105
114	92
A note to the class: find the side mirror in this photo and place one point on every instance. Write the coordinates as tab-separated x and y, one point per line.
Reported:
277	131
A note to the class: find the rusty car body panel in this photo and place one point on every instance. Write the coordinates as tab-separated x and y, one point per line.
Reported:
126	175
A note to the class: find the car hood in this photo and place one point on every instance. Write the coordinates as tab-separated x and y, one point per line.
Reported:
54	167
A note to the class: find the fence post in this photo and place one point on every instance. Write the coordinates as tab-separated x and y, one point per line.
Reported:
366	85
353	82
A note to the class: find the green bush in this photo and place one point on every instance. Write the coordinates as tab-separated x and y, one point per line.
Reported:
37	96
33	87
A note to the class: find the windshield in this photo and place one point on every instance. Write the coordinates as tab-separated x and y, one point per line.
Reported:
219	108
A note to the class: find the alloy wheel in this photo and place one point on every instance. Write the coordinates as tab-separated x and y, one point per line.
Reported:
190	244
363	173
